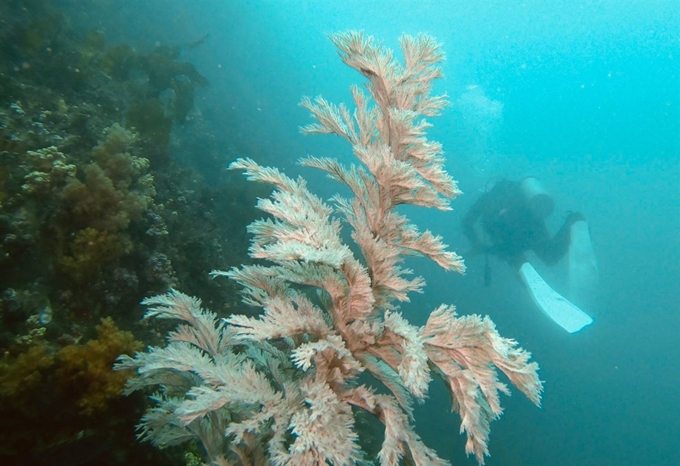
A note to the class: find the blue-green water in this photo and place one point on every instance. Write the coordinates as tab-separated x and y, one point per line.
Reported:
584	95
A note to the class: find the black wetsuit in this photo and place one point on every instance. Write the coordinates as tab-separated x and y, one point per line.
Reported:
511	228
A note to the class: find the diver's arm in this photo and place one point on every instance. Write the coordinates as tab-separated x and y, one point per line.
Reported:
552	250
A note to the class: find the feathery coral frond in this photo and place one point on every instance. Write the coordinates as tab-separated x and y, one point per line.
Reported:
325	430
278	388
431	246
400	438
284	316
332	119
412	367
203	331
465	350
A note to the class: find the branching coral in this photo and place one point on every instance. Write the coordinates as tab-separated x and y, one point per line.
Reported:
282	386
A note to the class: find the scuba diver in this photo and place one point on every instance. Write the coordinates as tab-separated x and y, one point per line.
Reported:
512	216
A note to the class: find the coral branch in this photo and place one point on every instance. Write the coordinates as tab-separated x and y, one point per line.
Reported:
281	385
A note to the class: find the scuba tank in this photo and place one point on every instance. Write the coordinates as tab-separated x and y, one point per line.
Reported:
537	198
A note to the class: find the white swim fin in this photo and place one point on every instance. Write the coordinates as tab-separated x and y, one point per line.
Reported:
553	304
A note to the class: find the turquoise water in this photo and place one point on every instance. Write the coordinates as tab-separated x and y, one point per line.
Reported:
584	95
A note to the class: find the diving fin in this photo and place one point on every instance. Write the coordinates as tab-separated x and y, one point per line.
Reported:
551	303
582	265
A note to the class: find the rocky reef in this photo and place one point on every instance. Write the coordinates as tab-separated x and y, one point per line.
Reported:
95	214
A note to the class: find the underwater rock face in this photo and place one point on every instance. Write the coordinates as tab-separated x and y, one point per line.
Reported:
89	224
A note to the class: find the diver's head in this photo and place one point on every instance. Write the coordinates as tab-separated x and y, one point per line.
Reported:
539	201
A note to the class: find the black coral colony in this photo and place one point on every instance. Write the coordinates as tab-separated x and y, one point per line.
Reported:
283	387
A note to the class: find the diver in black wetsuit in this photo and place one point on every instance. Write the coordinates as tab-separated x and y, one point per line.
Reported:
512	218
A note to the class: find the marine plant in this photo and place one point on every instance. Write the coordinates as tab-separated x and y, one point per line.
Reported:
116	190
75	383
85	370
283	387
